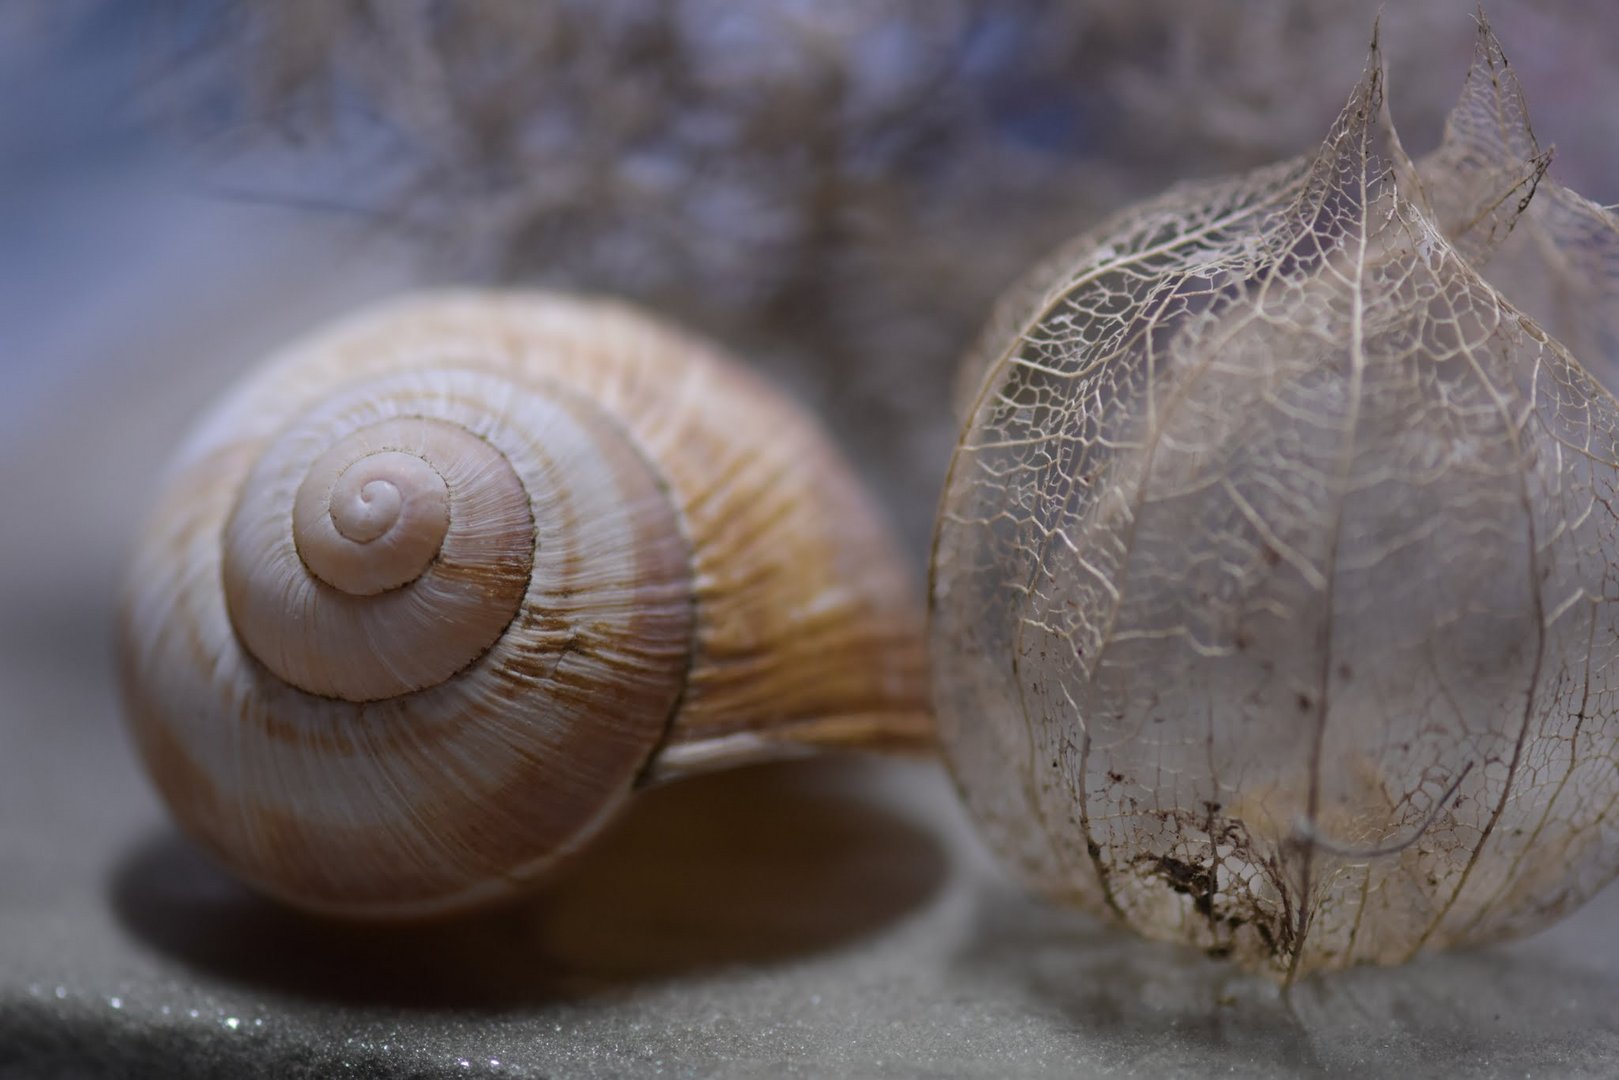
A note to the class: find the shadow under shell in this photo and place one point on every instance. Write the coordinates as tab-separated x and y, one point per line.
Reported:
752	866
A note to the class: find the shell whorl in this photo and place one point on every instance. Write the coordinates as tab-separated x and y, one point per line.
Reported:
409	552
455	715
429	594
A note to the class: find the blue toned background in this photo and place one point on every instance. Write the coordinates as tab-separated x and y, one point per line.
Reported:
837	188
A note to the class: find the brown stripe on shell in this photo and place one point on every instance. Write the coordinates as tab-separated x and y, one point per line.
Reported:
730	448
806	626
627	662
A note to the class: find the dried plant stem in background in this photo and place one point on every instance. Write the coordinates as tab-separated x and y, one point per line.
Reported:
839	189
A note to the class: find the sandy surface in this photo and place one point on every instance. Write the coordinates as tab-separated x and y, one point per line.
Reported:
829	919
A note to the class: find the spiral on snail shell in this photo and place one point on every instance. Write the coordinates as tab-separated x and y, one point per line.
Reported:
431	593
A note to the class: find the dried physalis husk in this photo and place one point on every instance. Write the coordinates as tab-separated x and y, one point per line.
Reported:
1272	602
1557	258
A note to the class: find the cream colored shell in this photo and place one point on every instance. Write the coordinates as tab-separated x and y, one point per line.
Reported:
429	594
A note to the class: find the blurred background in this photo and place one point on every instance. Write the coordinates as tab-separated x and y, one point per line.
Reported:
837	189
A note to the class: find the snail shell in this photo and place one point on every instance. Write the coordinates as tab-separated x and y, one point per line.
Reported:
431	593
1273	592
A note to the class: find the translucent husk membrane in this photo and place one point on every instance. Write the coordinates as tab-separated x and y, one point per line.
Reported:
1273	593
